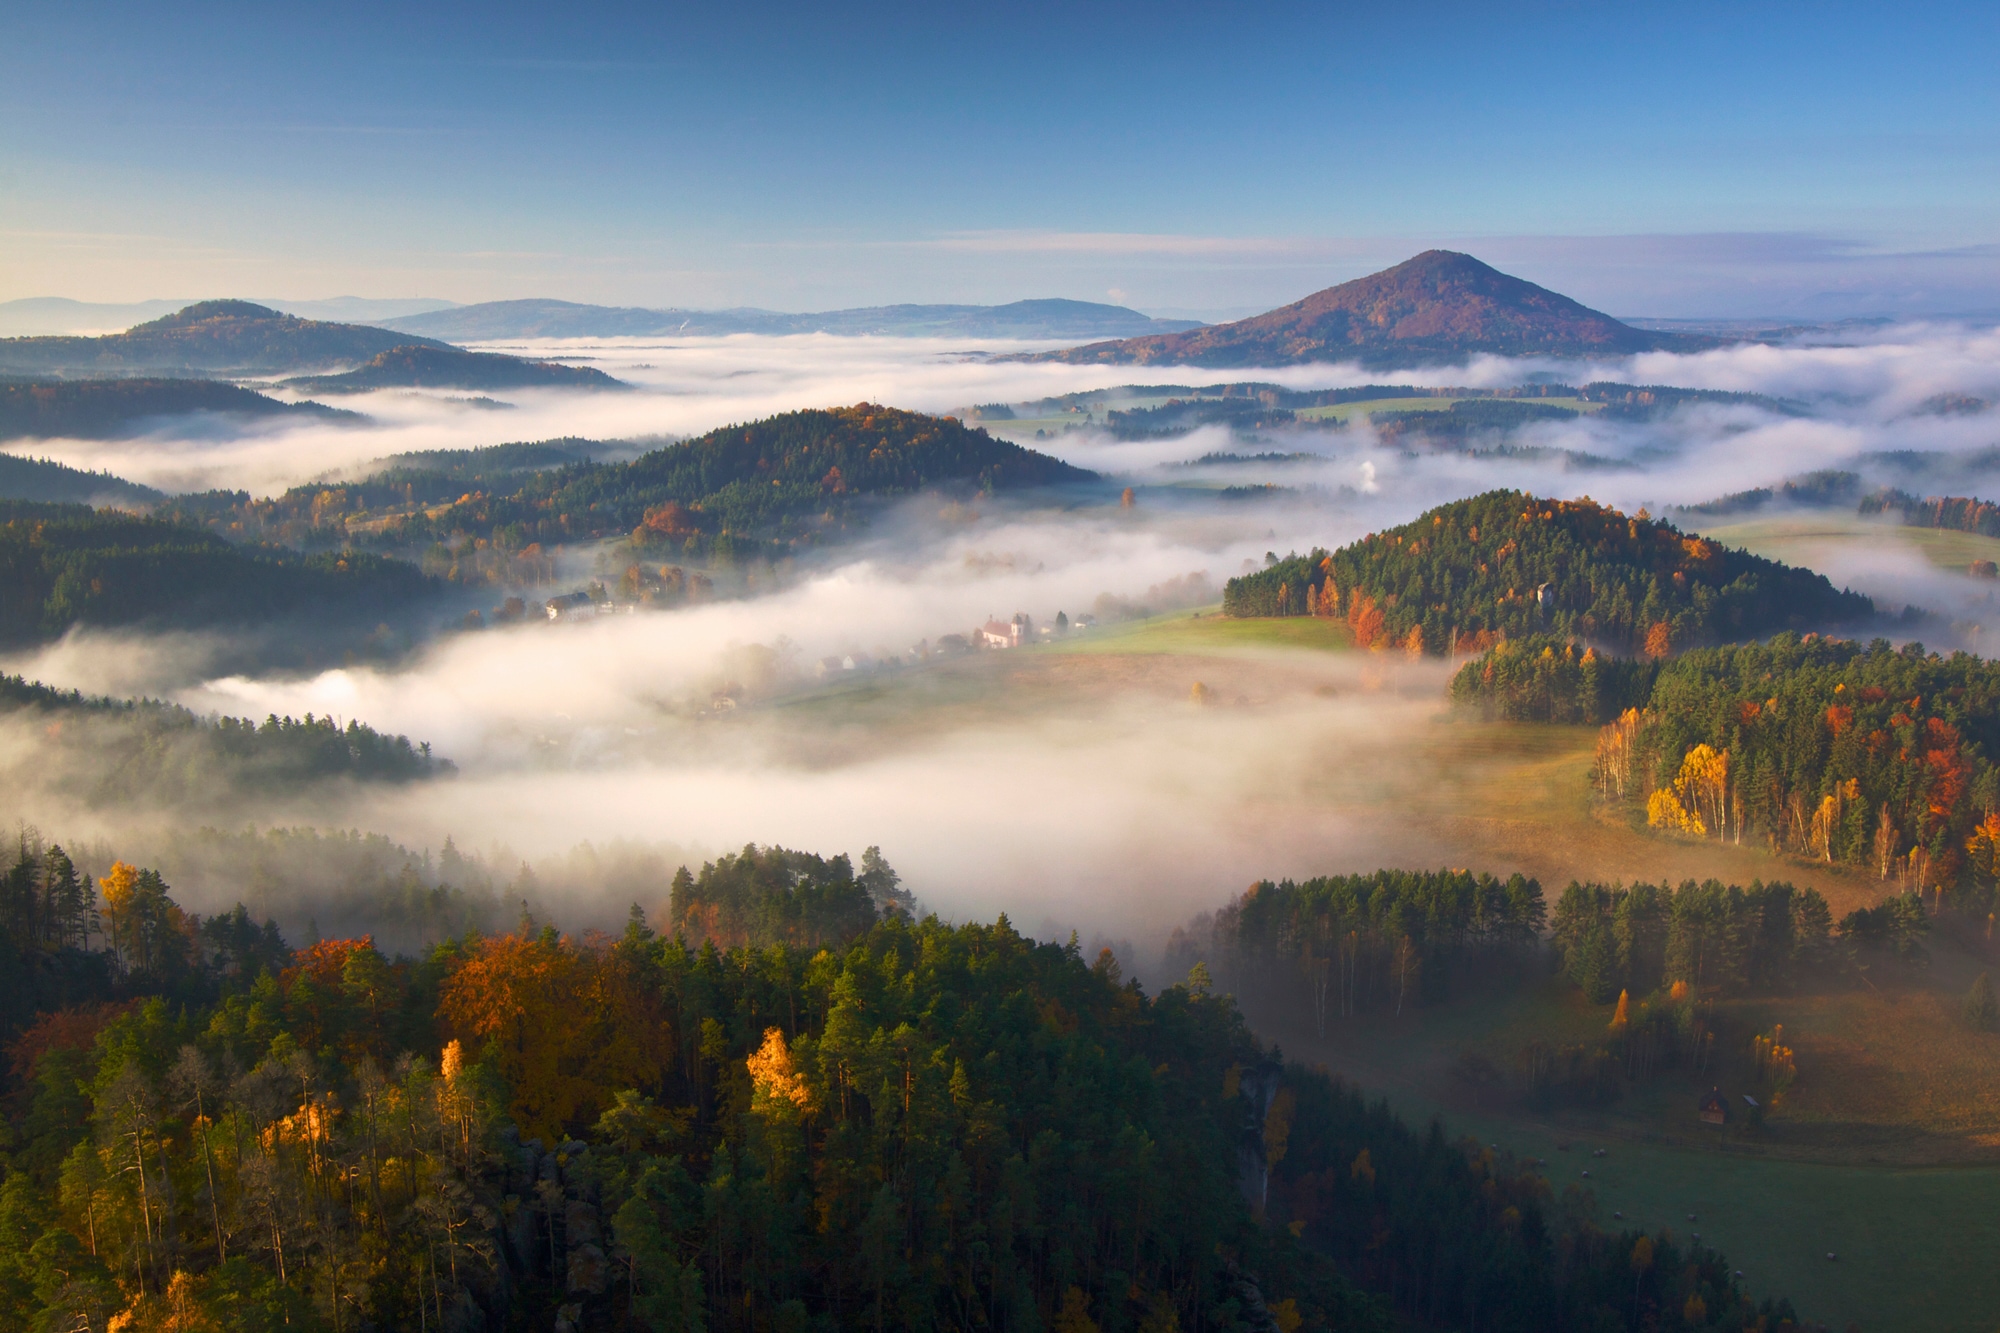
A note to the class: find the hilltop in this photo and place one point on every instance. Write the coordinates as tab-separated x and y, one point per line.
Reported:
106	409
1505	565
430	366
784	483
1438	307
566	319
234	337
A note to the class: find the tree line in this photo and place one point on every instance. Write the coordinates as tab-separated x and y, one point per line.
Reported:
1957	513
143	750
917	1125
1506	565
1345	945
63	565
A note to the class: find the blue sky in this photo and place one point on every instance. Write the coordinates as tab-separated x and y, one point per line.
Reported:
1682	160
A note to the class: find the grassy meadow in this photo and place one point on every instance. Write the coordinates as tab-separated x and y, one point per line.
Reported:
1800	539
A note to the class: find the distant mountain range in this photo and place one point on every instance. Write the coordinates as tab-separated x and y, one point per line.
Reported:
207	338
36	316
1046	319
1439	307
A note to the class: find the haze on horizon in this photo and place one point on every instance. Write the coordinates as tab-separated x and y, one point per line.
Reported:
1706	163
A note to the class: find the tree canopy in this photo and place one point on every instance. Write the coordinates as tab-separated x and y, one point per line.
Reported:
1506	565
915	1125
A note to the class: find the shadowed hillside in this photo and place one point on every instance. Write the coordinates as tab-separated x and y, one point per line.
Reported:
426	366
105	409
215	336
793	481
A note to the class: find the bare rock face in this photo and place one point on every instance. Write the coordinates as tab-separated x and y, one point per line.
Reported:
589	1270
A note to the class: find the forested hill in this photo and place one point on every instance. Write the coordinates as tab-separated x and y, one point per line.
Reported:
46	480
420	365
1438	307
779	484
62	565
1506	565
917	1126
101	409
219	336
113	752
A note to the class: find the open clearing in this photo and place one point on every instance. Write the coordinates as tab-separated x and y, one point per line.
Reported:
1807	539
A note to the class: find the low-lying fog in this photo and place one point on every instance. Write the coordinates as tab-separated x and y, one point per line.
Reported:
1093	792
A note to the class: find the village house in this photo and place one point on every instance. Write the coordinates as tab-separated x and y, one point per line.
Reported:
1006	633
570	606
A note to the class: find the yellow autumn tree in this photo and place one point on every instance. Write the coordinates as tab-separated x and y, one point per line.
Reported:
1074	1316
774	1083
1664	810
1982	849
1622	1019
1699	800
119	890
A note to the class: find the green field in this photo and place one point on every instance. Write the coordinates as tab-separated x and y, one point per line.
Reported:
1913	1246
1206	631
1802	539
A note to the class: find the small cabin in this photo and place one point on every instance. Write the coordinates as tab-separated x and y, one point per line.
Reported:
1714	1110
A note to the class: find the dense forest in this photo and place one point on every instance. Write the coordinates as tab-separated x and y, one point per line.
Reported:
1506	565
101	409
914	1126
1867	755
1812	490
48	482
428	366
1345	945
756	491
1542	678
109	751
1713	937
63	565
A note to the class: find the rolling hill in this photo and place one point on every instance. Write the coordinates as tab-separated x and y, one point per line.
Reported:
783	484
107	409
211	337
432	366
50	482
1506	565
1436	308
566	319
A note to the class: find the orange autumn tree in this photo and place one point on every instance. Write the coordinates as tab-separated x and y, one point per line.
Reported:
566	1024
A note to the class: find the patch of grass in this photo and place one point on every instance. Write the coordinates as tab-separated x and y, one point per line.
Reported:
1799	539
1206	631
1912	1242
1345	412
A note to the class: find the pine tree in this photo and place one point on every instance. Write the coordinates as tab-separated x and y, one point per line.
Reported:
1981	1008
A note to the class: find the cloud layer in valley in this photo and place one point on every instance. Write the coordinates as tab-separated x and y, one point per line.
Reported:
1089	793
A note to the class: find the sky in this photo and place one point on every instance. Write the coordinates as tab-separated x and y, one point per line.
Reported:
1674	161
